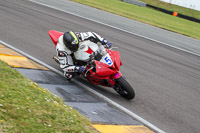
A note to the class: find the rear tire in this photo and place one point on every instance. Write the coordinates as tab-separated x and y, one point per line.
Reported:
123	88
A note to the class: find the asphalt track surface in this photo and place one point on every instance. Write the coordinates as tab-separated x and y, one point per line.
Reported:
166	80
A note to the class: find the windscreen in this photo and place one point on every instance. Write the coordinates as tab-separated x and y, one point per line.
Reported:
100	53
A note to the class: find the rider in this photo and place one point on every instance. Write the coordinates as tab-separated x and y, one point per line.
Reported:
68	43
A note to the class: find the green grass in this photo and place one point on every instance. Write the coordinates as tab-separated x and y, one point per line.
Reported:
26	107
147	15
174	8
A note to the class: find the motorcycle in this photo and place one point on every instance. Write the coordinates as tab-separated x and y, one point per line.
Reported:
102	66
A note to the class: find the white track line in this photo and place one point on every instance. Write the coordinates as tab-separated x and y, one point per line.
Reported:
133	115
117	28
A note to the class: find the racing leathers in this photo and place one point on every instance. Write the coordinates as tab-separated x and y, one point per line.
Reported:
65	56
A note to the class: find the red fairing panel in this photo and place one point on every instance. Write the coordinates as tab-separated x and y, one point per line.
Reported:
55	36
116	59
102	69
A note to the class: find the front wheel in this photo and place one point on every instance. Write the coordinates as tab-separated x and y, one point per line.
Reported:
123	88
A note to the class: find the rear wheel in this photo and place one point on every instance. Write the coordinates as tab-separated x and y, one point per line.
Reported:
123	88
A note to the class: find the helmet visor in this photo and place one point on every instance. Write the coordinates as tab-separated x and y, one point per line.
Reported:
73	47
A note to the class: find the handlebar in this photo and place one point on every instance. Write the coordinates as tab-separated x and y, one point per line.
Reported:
113	48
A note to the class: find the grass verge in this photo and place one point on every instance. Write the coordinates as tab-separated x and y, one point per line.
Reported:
26	107
146	15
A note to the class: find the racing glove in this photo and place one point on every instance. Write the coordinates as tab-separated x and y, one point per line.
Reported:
106	43
81	69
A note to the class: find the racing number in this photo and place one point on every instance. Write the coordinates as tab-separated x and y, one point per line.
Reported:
108	60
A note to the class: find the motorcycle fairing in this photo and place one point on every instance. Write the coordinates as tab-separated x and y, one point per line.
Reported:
54	35
103	69
107	60
116	59
100	80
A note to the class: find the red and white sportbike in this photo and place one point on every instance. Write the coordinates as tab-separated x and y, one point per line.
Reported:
102	66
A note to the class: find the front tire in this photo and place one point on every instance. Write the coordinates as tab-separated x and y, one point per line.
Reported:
123	88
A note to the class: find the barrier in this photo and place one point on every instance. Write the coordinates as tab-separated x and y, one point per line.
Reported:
142	4
174	13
